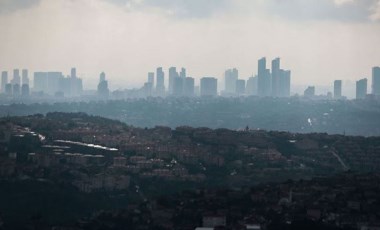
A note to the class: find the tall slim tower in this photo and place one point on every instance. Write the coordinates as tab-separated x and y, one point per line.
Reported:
103	91
264	79
16	77
376	80
160	84
284	83
276	75
338	89
172	75
25	77
4	80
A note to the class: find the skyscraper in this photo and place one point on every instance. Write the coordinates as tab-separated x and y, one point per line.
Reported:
16	77
361	88
240	87
309	92
40	82
25	90
8	89
189	87
284	83
103	91
338	89
4	80
172	75
264	79
76	84
65	86
16	90
25	77
160	85
147	89
376	80
178	86
151	78
53	82
276	75
251	88
209	86
182	74
230	78
102	77
73	72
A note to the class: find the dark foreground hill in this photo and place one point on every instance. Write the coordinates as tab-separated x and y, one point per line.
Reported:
57	168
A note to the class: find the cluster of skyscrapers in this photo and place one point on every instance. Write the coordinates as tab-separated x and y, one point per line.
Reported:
274	82
180	85
18	86
45	83
271	83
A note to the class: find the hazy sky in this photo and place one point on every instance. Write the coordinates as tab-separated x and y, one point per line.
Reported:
319	40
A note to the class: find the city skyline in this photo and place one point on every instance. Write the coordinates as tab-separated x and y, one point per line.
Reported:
274	82
325	40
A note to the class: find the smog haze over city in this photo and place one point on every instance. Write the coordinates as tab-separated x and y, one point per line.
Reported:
190	114
319	40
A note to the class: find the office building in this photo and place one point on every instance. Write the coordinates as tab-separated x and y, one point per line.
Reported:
151	78
73	72
76	84
361	88
189	87
172	75
337	89
230	78
25	91
16	77
160	83
4	80
76	87
240	87
178	86
65	89
276	75
182	74
251	87
309	92
209	86
102	77
103	91
264	79
16	90
53	82
8	89
284	83
25	77
147	90
376	80
40	82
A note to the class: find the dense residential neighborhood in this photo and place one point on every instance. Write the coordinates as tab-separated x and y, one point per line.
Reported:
128	166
